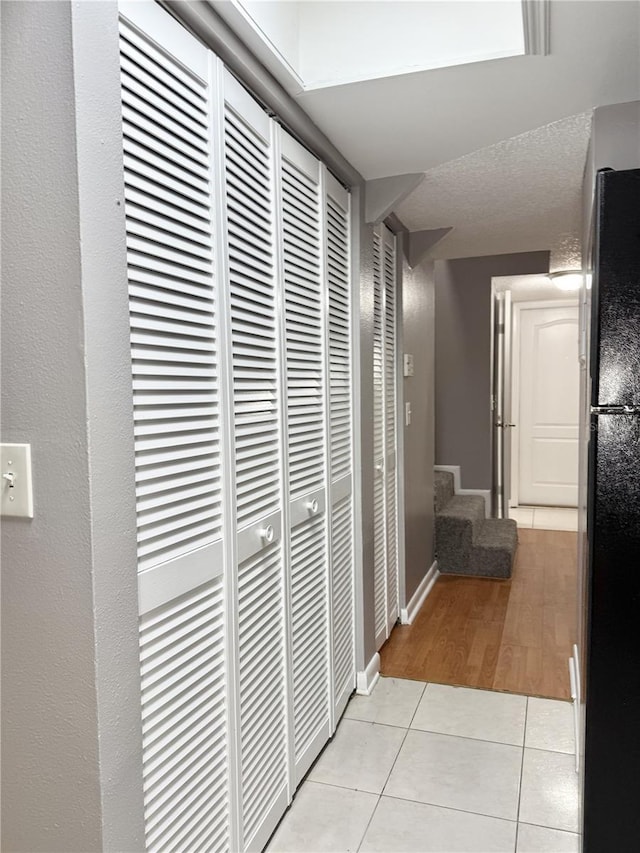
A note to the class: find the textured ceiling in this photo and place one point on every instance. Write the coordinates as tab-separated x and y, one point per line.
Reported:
520	195
504	164
413	122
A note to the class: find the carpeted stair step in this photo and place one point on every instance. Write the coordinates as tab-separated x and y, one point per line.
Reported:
458	525
494	549
443	488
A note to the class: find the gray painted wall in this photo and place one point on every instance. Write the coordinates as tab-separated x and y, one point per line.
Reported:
71	769
418	322
462	358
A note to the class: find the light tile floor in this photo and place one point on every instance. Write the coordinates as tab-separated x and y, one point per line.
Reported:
427	768
545	517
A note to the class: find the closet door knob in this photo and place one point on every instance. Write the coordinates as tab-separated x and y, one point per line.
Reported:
267	533
313	506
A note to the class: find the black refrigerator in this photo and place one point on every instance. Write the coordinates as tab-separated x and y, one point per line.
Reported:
611	805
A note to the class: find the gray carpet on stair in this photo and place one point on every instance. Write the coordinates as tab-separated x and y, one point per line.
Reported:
494	549
468	543
443	488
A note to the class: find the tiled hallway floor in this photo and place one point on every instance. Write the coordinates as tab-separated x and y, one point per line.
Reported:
430	768
545	517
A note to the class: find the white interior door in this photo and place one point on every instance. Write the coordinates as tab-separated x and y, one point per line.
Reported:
390	427
340	403
305	431
249	183
173	299
548	410
385	497
240	301
379	516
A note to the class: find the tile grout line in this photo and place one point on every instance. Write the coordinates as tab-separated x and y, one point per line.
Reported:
381	794
366	829
413	716
407	730
478	739
524	740
364	834
552	828
449	808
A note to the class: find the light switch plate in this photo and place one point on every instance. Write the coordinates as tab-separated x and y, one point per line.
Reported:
17	489
408	364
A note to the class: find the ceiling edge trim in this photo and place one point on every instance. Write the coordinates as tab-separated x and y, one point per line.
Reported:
537	27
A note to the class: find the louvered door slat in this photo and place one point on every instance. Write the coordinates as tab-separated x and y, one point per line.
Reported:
185	774
301	242
379	515
262	709
309	630
250	240
339	337
385	435
167	115
254	357
390	437
304	353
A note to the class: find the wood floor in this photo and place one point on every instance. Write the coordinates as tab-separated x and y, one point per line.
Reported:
514	635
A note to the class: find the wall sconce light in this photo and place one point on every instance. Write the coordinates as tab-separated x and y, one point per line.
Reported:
567	279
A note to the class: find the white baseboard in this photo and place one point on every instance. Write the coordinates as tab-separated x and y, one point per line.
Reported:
367	679
455	470
574	680
409	613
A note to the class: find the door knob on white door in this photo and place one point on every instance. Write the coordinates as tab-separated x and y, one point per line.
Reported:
267	533
313	506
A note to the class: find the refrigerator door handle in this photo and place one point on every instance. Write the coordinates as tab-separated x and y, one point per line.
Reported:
615	410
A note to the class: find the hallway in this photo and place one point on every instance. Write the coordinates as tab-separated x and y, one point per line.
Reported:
434	769
513	636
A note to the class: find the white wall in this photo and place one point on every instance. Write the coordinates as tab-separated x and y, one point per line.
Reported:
279	22
366	39
71	768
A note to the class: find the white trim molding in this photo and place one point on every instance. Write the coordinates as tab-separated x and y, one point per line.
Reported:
483	493
409	613
574	680
537	27
367	678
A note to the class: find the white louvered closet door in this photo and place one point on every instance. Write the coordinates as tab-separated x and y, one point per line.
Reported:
379	509
308	565
167	128
390	425
251	268
385	490
339	337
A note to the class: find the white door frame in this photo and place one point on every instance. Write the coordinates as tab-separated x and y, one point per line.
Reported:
514	414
